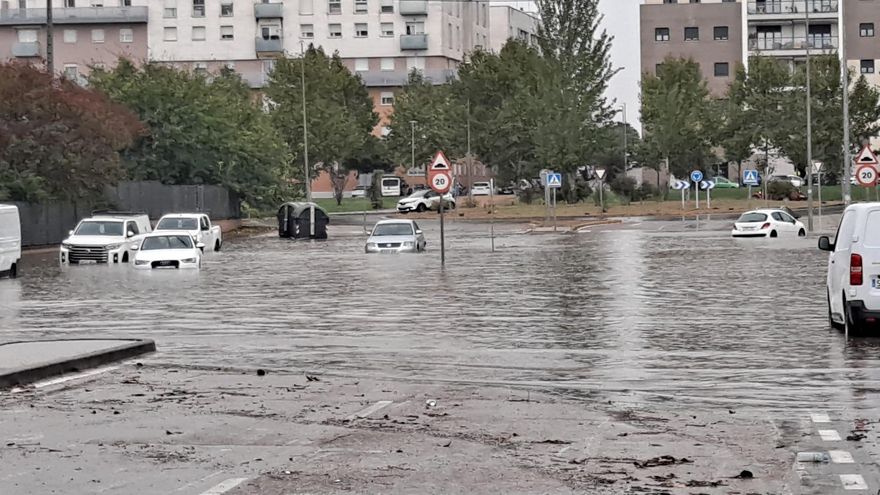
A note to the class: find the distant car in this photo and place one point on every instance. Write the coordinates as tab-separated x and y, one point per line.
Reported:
724	183
425	200
768	223
104	238
794	180
168	249
481	189
396	236
359	192
197	224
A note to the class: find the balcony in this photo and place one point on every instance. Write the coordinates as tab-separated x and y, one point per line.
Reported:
413	7
269	47
792	43
78	15
788	9
268	10
26	49
414	42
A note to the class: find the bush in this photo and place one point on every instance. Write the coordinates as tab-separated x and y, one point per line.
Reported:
624	186
780	190
646	191
580	192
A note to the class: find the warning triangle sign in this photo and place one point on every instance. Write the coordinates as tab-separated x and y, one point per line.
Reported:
866	157
440	162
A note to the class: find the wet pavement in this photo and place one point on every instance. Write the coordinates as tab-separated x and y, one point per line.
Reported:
667	320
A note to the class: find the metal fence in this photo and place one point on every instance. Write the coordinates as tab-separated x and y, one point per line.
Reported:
49	223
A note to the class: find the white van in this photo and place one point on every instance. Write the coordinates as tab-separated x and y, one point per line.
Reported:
853	283
391	186
10	240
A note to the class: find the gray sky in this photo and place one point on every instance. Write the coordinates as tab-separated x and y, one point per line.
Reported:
622	22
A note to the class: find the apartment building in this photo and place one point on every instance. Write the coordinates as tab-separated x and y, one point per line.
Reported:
507	22
861	19
86	33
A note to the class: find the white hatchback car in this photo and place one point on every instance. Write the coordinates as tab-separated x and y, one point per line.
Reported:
481	189
853	281
768	223
168	249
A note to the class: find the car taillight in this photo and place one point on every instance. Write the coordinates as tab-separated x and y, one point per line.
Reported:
765	226
855	269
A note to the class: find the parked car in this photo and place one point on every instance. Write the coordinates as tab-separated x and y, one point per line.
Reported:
396	236
853	274
420	201
106	237
481	189
172	249
794	180
768	223
359	192
10	240
724	183
197	224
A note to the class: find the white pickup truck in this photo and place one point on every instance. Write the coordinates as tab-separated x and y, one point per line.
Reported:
197	224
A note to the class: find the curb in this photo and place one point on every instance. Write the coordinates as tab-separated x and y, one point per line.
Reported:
30	374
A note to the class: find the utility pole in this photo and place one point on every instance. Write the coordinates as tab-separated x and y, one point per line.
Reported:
50	40
412	125
308	177
470	162
844	77
625	154
809	131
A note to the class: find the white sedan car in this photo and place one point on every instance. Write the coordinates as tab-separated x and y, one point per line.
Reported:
424	200
168	249
768	223
481	189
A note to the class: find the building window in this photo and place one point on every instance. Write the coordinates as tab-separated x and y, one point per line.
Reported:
449	33
361	64
70	35
71	72
226	10
415	27
68	4
387	7
27	35
658	69
866	30
126	35
691	34
198	33
200	68
360	30
868	66
97	35
99	66
125	3
722	69
387	29
306	7
170	13
226	33
360	6
335	30
334	6
661	34
387	99
722	33
307	31
387	64
170	34
198	8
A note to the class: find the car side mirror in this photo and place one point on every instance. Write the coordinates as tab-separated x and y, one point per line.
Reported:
825	244
201	246
418	232
130	234
70	233
135	247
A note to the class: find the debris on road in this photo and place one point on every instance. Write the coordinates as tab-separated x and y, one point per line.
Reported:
430	403
745	474
261	372
312	378
813	457
663	460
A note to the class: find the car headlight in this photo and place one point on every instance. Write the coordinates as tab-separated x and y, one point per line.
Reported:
371	244
111	247
141	262
66	245
408	244
188	260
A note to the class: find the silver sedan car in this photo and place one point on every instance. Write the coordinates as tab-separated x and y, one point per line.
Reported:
396	236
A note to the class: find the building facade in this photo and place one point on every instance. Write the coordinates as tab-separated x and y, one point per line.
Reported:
506	22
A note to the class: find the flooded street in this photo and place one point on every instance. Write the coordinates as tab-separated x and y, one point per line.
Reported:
660	317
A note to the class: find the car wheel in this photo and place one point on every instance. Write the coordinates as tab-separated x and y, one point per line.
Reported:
125	257
217	246
13	271
452	205
851	326
802	233
421	208
773	234
831	322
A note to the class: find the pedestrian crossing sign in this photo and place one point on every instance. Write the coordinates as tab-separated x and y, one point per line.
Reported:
750	177
554	180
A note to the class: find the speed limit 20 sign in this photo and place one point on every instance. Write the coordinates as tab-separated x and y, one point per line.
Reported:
866	175
440	174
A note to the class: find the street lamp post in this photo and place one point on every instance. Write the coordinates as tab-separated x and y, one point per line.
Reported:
308	179
844	75
50	40
625	154
809	132
412	124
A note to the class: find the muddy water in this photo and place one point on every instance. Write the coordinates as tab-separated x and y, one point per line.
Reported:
638	313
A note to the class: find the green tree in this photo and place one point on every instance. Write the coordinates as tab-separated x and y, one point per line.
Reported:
339	113
201	131
58	140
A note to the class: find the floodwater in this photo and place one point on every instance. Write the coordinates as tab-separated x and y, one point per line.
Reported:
645	313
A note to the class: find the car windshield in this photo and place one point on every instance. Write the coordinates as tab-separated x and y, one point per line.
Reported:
177	224
752	217
481	184
99	228
181	241
419	194
393	229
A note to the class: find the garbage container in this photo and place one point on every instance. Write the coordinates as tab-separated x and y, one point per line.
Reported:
295	221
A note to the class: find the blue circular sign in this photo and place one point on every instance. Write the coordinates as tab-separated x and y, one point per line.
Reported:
696	176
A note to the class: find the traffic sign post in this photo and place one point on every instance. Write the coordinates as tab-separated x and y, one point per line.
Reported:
708	185
440	178
866	158
492	215
866	175
750	178
600	174
818	166
681	185
697	177
554	182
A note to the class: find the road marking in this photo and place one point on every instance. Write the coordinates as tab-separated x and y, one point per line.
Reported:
367	411
841	457
853	482
199	481
225	486
820	418
64	379
829	435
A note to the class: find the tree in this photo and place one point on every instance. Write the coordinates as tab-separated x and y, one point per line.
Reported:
339	112
57	139
201	130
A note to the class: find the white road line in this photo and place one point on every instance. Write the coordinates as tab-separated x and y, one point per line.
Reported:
820	418
853	482
225	486
199	481
829	435
65	378
841	457
363	413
